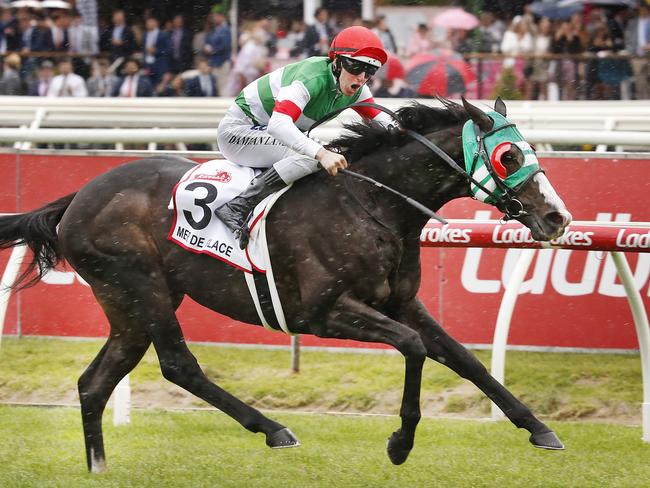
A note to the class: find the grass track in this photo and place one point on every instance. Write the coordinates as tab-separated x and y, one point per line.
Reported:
555	386
42	447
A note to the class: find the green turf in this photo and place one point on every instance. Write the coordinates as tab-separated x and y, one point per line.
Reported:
555	386
42	447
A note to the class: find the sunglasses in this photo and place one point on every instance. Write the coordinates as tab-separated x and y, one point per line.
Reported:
355	67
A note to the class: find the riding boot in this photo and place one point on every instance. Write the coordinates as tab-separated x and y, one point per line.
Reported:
236	212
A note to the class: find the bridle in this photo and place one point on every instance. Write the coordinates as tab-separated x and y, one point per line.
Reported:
505	199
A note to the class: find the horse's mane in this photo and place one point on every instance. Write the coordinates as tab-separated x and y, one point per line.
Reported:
366	137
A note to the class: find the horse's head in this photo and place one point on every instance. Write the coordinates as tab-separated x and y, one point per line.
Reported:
508	174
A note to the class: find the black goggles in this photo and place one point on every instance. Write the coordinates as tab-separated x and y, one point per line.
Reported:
355	67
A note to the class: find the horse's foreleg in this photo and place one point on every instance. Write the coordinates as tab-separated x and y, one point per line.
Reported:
353	319
444	349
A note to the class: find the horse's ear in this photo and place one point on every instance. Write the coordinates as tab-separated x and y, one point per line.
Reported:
500	106
477	115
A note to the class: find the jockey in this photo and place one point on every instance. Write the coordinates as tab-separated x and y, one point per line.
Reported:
265	127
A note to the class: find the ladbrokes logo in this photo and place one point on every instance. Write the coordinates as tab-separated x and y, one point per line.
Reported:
522	235
446	234
631	239
220	176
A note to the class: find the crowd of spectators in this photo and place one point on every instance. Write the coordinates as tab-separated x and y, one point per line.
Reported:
59	53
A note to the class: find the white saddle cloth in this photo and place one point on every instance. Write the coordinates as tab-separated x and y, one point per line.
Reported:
199	192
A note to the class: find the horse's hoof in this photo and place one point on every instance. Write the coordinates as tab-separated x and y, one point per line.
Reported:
547	440
282	439
397	452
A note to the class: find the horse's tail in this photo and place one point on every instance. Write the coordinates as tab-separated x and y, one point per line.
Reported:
36	229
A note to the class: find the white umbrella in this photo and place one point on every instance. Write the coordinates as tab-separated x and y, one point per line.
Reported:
55	4
26	3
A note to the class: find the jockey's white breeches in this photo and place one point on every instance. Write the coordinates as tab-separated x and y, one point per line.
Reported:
245	144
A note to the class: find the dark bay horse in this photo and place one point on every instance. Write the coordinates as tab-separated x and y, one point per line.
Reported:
346	257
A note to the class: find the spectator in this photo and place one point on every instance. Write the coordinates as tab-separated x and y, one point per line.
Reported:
484	37
181	44
198	41
67	83
536	87
421	42
132	84
10	82
119	39
250	62
60	34
157	50
218	46
517	40
204	84
637	43
102	83
84	38
269	37
566	40
384	33
318	35
8	29
41	85
39	37
392	84
296	38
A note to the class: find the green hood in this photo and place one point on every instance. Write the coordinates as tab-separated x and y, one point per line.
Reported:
480	172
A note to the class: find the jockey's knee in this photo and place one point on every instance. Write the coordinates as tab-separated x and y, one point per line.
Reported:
295	167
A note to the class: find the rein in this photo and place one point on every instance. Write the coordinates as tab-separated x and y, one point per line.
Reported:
507	202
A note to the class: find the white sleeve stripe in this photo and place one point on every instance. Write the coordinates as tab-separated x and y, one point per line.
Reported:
296	92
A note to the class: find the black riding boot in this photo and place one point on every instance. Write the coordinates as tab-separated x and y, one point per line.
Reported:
235	213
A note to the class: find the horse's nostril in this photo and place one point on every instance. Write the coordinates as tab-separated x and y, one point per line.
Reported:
560	219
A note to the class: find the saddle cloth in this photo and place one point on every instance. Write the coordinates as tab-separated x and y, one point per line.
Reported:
199	192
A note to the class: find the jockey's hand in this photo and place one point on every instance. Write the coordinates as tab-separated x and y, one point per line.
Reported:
331	161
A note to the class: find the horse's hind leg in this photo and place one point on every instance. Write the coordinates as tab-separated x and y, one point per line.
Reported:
121	353
149	304
444	349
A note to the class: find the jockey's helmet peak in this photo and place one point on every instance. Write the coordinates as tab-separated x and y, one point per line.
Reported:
359	43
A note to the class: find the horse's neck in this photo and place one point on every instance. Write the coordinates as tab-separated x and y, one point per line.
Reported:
416	172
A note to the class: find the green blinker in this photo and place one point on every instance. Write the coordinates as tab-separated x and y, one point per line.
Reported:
479	171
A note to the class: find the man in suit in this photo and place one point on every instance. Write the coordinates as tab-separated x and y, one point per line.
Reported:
181	41
119	39
67	83
218	47
132	84
204	84
40	86
318	35
102	82
157	50
637	43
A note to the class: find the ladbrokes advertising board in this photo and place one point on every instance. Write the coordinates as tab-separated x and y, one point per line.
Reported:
570	298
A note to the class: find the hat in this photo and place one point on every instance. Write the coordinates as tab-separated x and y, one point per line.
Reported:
46	64
13	60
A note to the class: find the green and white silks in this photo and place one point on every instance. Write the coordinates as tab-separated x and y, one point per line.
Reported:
476	166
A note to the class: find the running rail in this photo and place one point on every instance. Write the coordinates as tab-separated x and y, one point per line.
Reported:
613	237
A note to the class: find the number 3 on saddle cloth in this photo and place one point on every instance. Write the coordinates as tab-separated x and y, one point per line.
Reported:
199	192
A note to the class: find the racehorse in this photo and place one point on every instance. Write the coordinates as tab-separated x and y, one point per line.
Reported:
345	254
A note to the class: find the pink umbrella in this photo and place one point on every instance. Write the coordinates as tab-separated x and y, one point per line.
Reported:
455	18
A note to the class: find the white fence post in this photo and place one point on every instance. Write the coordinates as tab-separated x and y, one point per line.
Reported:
643	334
504	317
8	279
122	402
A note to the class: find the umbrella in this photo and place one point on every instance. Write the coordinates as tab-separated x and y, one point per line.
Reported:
455	18
601	3
554	9
26	3
442	72
55	4
392	69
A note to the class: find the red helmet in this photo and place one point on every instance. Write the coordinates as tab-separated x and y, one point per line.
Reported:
360	43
